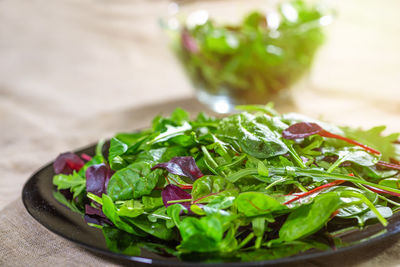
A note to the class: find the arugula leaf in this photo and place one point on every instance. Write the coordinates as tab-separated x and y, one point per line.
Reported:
375	139
74	182
170	132
69	204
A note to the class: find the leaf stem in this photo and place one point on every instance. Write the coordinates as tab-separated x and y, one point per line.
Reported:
296	157
348	140
314	190
335	176
274	183
210	159
95	198
233	163
246	240
337	163
368	203
179	200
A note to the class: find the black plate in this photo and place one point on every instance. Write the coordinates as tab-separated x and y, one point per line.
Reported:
38	199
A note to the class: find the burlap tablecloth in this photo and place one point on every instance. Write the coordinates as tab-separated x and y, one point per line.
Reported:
75	71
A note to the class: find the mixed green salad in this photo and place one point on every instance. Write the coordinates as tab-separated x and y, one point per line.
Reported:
254	60
255	185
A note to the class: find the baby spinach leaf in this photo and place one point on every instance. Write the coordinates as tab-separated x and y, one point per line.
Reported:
308	219
200	235
152	201
117	148
359	207
134	181
207	185
352	154
157	228
121	242
386	212
131	208
255	139
256	203
160	213
391	182
218	205
174	211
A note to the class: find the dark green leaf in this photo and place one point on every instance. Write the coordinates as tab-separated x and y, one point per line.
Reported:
308	219
255	203
255	139
134	181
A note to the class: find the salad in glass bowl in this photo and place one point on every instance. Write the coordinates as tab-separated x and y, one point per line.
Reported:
245	53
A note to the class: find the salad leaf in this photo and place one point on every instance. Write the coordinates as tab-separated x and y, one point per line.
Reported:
134	181
97	178
374	138
255	203
74	182
201	235
309	218
184	166
174	193
255	139
67	162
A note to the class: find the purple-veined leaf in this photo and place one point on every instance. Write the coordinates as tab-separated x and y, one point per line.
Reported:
188	42
67	194
301	130
183	166
96	216
97	177
67	162
89	210
304	129
173	192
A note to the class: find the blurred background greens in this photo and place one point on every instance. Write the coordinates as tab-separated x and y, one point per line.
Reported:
245	53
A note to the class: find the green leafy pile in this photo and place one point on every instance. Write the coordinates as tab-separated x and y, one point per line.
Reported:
255	60
251	186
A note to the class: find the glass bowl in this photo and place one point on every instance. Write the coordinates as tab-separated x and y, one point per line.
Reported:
245	52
